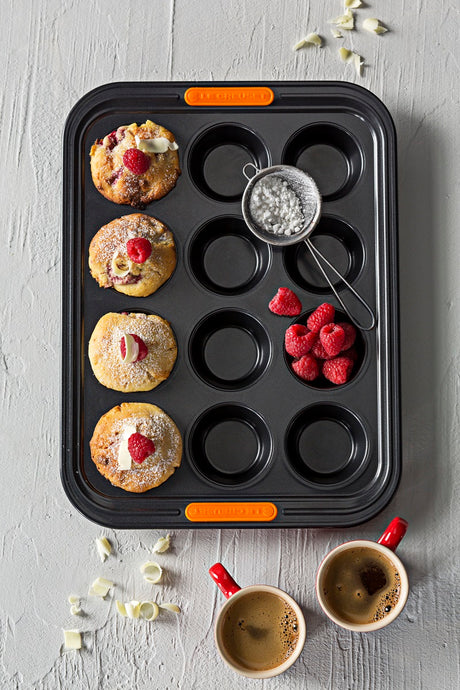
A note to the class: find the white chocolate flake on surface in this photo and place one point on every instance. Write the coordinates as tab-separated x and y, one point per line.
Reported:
162	544
100	587
152	572
374	26
72	639
103	547
170	607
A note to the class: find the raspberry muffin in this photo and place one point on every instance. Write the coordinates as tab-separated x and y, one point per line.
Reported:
132	352
136	446
134	254
135	164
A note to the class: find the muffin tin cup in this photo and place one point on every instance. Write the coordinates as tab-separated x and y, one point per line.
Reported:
218	155
230	445
340	243
262	448
225	258
327	446
229	349
330	154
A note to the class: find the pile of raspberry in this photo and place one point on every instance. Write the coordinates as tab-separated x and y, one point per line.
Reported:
322	347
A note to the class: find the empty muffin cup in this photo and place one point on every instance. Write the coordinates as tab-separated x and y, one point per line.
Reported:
337	240
225	257
329	154
217	158
327	445
229	349
230	444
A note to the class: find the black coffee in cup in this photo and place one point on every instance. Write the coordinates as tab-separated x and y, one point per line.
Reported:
361	585
260	631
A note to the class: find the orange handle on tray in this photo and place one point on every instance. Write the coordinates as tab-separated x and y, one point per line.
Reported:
231	512
228	95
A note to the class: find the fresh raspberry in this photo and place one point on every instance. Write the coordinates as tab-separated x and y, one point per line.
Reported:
136	161
350	353
140	447
350	335
318	350
298	340
285	303
332	337
338	370
307	368
143	349
139	249
321	317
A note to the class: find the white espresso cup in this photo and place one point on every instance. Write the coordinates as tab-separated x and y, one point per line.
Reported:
233	592
384	546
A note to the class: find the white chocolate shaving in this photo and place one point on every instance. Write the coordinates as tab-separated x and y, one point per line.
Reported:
124	456
148	610
73	599
345	21
100	587
170	607
353	4
373	26
131	349
311	39
121	266
336	33
152	572
162	544
345	54
358	63
103	547
72	639
132	609
75	610
121	608
156	145
314	39
301	44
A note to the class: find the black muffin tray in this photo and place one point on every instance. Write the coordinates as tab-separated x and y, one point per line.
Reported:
261	447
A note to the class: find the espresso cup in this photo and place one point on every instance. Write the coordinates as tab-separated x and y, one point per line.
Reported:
345	580
292	622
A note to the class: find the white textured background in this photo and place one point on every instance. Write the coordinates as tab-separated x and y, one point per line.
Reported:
52	52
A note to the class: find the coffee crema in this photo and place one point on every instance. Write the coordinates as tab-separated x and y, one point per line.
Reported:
259	631
361	585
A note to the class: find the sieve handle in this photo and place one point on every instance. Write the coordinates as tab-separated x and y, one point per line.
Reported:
254	167
316	254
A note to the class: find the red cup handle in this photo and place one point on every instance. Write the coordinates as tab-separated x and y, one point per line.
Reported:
393	533
223	580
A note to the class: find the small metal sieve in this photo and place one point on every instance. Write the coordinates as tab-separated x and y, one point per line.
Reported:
306	190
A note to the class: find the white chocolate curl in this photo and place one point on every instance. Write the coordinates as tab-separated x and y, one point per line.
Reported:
103	548
170	607
152	572
121	266
156	145
162	544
